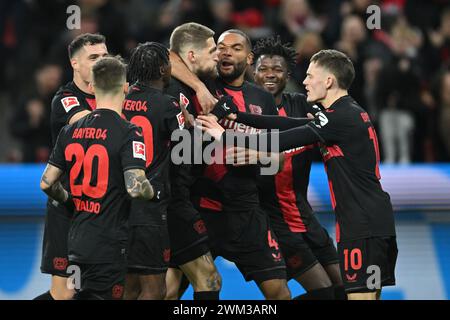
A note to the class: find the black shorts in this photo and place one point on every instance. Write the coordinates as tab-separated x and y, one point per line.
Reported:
188	235
303	250
215	222
259	265
104	281
148	249
368	264
54	248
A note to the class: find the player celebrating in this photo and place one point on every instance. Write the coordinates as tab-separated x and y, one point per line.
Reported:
72	102
309	252
246	238
195	46
104	158
365	228
158	115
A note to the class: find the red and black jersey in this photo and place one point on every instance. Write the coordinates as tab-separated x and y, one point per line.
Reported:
189	187
68	101
239	184
284	195
158	115
349	148
350	151
94	152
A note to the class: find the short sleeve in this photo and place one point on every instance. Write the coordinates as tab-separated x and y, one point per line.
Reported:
133	153
64	107
173	117
57	157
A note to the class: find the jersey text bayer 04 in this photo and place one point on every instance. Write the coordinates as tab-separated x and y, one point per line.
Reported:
158	115
94	152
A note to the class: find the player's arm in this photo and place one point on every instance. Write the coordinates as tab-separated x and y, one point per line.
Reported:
77	116
181	72
51	185
228	109
271	122
137	184
268	142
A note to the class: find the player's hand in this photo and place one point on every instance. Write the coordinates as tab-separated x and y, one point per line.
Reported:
224	107
206	99
238	156
189	118
209	125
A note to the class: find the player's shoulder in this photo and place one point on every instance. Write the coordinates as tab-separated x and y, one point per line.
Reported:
69	96
295	97
252	86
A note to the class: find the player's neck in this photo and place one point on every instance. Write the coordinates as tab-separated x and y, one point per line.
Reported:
239	81
278	98
156	84
332	96
114	103
81	84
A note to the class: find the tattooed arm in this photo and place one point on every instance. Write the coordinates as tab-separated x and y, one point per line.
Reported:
138	187
51	186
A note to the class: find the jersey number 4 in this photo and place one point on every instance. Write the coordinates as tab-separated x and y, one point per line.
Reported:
84	162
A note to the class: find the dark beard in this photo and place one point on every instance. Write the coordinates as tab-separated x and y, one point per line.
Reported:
205	76
238	70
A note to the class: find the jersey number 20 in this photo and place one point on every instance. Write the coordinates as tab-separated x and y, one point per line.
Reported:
83	162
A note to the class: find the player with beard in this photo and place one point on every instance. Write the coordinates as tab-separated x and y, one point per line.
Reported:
190	252
309	252
365	227
72	102
244	235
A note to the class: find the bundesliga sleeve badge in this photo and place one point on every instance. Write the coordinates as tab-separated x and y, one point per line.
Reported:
139	150
69	103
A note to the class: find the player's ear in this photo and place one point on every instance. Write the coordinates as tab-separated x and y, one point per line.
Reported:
91	87
191	57
74	63
126	86
162	71
329	82
250	57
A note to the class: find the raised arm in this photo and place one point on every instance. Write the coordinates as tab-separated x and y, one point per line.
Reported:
51	186
181	72
137	184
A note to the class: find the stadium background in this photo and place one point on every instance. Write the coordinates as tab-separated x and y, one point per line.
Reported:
403	80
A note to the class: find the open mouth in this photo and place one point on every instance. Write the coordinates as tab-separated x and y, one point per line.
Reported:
270	84
226	65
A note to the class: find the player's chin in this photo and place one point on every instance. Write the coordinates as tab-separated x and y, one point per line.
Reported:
310	97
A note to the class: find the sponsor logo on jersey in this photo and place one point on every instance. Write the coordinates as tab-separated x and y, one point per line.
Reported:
60	263
321	120
351	278
139	150
181	120
69	103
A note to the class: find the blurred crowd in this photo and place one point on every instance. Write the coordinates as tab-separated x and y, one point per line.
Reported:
402	69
